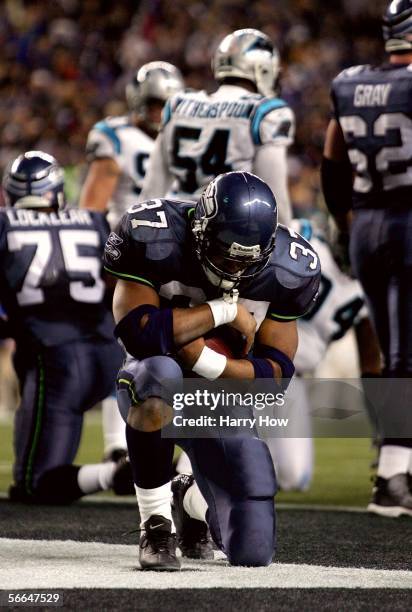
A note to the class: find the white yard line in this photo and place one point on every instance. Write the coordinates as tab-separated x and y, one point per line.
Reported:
34	564
130	500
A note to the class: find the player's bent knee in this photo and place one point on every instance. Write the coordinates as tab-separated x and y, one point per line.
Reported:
151	415
252	526
253	533
138	381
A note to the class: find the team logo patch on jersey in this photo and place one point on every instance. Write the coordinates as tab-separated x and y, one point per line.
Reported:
112	243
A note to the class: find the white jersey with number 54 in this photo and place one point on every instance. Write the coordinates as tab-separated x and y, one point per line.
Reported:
204	135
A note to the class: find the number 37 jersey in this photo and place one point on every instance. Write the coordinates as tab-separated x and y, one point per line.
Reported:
373	106
153	246
51	284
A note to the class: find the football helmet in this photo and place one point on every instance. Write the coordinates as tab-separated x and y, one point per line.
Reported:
248	54
34	180
153	81
397	26
234	226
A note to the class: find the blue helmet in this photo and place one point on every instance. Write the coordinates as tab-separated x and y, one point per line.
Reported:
397	26
34	180
234	227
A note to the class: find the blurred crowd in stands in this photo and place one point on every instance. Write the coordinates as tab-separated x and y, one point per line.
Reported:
64	64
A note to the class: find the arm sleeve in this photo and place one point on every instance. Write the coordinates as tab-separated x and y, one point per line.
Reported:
270	165
158	178
296	303
277	126
102	143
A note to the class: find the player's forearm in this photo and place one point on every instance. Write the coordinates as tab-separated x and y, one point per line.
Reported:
370	361
337	175
241	369
99	185
146	329
191	323
158	178
271	166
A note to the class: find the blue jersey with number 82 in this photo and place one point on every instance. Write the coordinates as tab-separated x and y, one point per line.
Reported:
373	106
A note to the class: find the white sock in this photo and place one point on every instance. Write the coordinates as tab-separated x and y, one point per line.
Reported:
114	428
96	477
394	460
194	503
155	501
183	465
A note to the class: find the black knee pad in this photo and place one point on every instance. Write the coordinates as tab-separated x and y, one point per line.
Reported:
58	486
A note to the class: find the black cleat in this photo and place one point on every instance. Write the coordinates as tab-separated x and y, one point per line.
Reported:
392	497
193	537
115	455
123	477
158	546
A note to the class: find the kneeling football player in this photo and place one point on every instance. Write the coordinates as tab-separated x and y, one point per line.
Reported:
184	269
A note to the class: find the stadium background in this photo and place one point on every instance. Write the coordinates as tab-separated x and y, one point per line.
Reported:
63	66
65	63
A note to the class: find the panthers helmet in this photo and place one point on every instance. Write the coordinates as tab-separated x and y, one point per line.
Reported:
234	226
248	54
34	180
397	26
153	81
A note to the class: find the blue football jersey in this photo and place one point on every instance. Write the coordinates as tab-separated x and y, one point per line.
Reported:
51	275
153	245
373	105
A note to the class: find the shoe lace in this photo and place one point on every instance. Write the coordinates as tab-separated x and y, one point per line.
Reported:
133	531
160	540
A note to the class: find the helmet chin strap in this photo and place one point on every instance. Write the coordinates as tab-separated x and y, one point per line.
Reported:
218	281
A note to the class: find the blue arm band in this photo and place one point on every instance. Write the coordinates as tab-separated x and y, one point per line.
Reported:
268	352
155	338
262	367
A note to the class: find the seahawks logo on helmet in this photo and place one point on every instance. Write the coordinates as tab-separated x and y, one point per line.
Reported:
208	202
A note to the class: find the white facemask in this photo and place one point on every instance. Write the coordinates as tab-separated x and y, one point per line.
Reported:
217	281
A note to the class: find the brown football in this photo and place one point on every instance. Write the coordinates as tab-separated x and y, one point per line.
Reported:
226	341
220	346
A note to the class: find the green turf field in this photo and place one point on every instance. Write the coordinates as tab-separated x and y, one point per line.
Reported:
342	472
